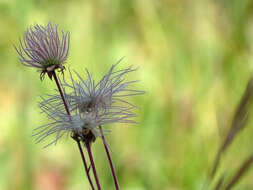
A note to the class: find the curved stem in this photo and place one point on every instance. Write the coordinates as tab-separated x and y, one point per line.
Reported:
78	142
110	160
93	165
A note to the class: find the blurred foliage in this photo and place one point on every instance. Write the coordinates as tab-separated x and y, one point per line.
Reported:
194	59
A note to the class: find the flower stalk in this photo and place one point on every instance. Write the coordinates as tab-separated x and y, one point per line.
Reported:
75	138
88	146
61	93
109	159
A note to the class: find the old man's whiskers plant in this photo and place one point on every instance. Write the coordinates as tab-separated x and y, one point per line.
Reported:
83	106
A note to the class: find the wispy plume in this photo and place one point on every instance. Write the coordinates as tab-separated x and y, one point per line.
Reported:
91	104
110	93
44	48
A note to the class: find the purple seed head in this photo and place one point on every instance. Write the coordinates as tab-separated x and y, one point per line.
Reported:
44	48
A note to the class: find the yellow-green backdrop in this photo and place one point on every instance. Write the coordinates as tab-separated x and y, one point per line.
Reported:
194	59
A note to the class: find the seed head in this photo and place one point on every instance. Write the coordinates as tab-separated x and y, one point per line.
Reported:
92	105
83	125
110	93
44	49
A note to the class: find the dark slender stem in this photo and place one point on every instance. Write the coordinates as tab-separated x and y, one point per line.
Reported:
61	93
85	164
110	160
93	165
76	139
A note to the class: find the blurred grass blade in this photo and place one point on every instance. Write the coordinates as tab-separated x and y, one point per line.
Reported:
242	170
220	183
239	122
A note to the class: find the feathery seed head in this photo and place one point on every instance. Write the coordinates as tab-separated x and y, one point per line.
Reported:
91	105
44	49
60	124
109	93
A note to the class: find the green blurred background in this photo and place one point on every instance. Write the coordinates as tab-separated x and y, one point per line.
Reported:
194	58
